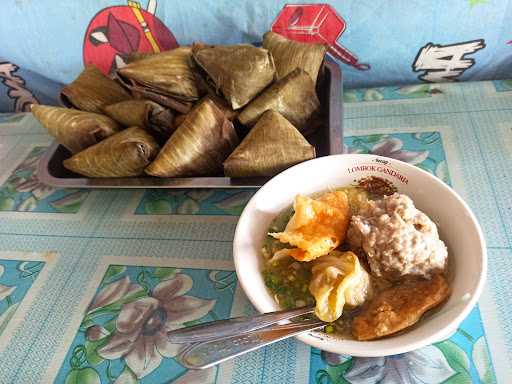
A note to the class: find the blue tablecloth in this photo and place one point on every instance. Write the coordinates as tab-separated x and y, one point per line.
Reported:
83	271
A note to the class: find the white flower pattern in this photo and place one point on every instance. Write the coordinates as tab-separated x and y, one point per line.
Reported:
427	365
140	336
392	147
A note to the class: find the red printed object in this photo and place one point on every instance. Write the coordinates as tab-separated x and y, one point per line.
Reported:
316	23
116	32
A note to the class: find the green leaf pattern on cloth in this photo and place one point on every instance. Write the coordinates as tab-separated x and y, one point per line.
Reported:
502	85
457	359
194	202
22	191
6	316
389	93
16	279
483	362
164	273
83	376
112	273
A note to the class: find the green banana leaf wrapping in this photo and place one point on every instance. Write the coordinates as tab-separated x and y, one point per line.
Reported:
294	97
92	90
140	92
270	147
211	93
124	154
136	56
179	119
166	78
240	72
198	146
75	130
289	54
161	124
146	114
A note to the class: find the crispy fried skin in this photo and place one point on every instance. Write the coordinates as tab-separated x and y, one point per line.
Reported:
399	307
317	227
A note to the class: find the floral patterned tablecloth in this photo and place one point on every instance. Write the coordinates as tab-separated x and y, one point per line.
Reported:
90	280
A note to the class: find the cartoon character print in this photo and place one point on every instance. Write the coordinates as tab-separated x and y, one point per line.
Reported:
316	23
16	89
445	62
116	32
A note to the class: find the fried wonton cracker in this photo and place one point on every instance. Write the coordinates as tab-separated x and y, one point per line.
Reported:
317	227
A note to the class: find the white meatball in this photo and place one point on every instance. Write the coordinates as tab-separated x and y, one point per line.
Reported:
397	238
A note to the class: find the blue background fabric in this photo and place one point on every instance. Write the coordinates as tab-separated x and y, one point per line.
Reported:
45	40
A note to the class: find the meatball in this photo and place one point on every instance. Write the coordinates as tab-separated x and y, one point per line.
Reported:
397	238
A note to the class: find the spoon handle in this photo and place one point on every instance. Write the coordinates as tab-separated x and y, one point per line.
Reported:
206	354
230	327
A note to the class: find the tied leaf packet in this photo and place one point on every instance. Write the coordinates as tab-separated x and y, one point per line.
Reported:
240	71
198	146
294	97
92	90
124	154
166	78
146	114
270	147
75	130
289	54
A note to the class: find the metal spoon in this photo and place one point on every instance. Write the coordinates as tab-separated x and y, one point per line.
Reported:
217	341
231	327
209	353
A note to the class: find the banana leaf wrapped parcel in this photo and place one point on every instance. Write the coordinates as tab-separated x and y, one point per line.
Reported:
166	78
75	130
212	93
146	114
294	97
240	71
200	110
289	54
179	119
136	56
198	146
271	146
92	90
124	154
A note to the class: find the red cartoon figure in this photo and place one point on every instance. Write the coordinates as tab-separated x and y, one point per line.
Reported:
316	23
115	32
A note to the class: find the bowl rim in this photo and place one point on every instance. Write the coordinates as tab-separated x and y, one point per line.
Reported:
337	346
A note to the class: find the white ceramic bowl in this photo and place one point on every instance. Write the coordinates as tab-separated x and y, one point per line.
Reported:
457	226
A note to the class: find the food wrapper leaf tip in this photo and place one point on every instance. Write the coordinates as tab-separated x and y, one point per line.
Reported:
240	71
92	90
289	54
198	146
75	130
271	146
294	97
